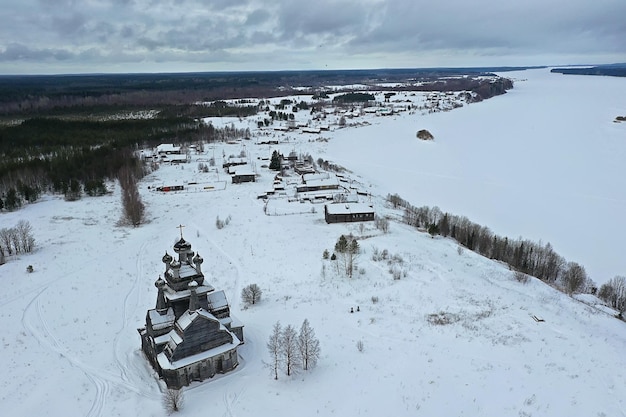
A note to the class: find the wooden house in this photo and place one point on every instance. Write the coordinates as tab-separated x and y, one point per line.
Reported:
190	334
243	175
348	212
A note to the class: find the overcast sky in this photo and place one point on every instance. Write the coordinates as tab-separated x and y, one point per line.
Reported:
77	36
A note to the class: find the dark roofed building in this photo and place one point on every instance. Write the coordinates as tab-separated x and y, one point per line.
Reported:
190	334
348	212
243	175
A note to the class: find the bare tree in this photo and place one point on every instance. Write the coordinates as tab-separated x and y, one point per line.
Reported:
574	277
289	349
173	400
24	235
274	347
251	294
308	345
614	293
6	238
381	223
521	277
134	209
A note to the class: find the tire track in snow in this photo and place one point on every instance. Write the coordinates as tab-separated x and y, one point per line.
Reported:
34	320
121	361
46	338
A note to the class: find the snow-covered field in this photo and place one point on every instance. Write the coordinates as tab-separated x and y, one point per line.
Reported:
542	161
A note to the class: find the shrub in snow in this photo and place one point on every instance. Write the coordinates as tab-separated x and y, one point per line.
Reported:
172	400
359	345
424	134
521	277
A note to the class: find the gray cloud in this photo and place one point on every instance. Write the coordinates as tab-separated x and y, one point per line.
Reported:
143	35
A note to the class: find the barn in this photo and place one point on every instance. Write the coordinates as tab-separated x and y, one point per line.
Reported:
344	213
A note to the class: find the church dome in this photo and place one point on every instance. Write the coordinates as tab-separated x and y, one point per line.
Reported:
175	264
159	282
167	258
182	246
198	259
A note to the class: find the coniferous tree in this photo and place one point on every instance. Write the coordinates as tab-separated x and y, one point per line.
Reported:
275	161
12	200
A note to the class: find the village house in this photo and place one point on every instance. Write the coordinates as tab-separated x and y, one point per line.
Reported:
168	149
167	152
234	161
190	335
243	174
318	182
345	213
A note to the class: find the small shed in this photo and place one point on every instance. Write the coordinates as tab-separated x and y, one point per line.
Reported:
352	212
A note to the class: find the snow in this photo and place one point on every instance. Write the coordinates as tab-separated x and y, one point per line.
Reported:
453	336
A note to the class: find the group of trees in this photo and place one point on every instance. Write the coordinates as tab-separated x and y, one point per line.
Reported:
329	166
535	259
16	240
133	207
291	351
281	115
353	98
347	251
614	293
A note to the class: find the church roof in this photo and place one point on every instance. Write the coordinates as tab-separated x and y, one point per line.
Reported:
185	320
217	300
187	271
173	295
161	321
165	363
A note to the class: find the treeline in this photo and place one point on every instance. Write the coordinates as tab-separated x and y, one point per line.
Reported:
214	109
353	98
75	157
71	172
37	95
521	255
483	88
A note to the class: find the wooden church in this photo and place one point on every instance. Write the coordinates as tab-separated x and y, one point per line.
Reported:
190	334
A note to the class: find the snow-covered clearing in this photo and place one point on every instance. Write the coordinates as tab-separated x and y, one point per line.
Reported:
454	336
